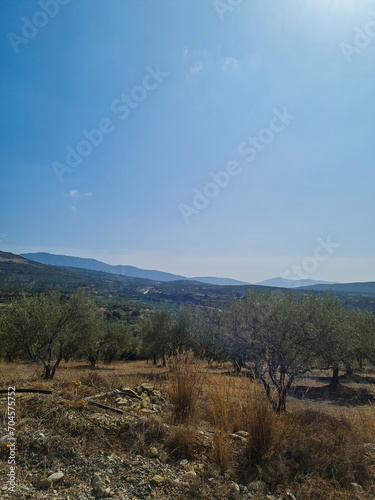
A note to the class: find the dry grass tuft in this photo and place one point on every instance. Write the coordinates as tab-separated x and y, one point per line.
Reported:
184	383
96	381
262	425
223	414
138	436
331	447
182	441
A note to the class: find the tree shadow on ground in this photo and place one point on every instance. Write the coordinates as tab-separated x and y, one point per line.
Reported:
343	396
356	379
88	367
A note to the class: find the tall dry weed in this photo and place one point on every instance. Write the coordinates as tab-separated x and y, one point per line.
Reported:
184	384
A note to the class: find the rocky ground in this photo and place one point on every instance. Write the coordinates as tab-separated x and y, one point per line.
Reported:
68	448
89	440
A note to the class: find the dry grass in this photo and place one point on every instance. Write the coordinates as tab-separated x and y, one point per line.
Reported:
184	382
331	447
140	435
226	416
182	442
315	451
263	427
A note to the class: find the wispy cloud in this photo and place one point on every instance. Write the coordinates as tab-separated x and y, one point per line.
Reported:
73	208
89	194
73	193
186	52
229	63
196	68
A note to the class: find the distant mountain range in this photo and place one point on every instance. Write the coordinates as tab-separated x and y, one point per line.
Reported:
284	283
20	274
160	276
131	271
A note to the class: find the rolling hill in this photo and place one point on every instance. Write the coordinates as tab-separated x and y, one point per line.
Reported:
135	272
367	287
18	274
284	283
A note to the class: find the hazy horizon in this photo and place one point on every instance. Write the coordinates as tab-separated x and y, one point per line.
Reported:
192	138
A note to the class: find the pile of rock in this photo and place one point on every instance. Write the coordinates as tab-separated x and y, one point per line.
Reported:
145	399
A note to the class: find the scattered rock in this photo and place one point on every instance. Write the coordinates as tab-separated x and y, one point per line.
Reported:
126	391
122	402
190	474
235	487
236	437
100	489
157	480
163	457
243	434
257	487
213	471
145	402
153	452
290	496
45	483
5	440
356	487
102	492
149	388
56	476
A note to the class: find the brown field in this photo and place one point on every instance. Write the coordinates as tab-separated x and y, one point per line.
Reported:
212	434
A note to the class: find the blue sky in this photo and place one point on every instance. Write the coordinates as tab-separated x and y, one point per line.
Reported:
219	75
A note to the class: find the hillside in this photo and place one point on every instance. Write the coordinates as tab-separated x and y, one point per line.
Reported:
367	288
285	283
135	272
18	274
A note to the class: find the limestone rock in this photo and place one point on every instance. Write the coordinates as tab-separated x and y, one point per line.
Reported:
157	480
56	476
45	483
257	487
149	388
190	474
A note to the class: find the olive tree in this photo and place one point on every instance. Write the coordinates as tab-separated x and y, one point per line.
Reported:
156	333
42	328
337	337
